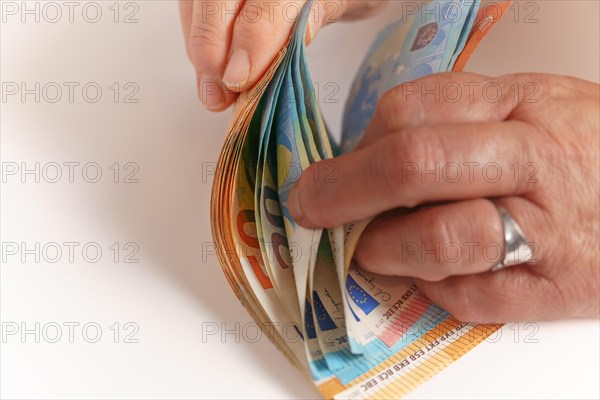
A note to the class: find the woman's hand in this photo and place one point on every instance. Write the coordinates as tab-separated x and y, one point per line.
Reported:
231	43
449	143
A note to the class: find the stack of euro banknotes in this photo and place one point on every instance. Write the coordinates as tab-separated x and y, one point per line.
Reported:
355	334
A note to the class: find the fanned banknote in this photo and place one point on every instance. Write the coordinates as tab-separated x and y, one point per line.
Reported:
355	334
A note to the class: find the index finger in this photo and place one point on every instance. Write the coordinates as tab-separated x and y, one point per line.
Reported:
417	166
451	97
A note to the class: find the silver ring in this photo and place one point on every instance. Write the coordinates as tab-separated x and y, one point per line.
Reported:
517	249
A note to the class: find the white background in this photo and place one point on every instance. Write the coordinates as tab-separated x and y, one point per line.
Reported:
176	289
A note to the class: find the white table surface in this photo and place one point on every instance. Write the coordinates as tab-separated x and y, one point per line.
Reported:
176	289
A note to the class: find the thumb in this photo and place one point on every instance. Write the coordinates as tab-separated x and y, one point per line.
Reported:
262	28
260	31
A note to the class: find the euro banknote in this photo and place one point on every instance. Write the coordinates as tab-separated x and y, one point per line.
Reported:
354	334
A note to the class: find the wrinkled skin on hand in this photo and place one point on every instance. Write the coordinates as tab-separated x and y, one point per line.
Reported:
540	132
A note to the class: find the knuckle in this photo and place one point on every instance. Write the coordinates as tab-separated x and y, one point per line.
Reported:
525	87
386	168
540	80
405	159
424	145
439	238
205	35
400	107
436	228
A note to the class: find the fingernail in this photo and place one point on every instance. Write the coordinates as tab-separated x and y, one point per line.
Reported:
237	71
210	92
293	204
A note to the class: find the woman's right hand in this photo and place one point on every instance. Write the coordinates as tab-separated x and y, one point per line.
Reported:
232	43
